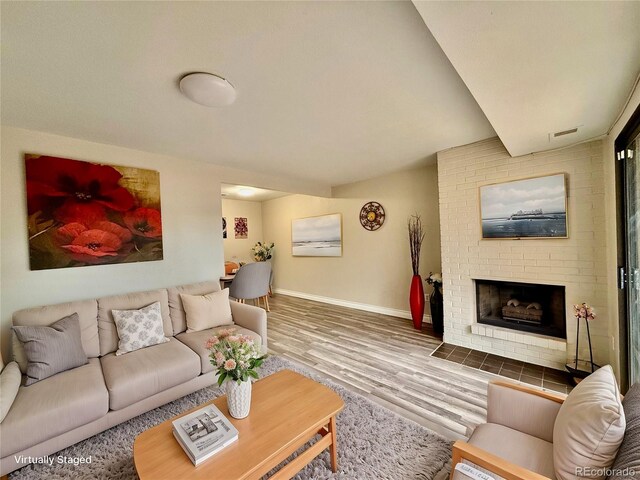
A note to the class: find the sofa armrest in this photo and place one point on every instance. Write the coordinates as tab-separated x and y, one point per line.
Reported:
10	380
490	462
506	403
252	318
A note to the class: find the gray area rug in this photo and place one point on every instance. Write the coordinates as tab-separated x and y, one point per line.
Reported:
373	442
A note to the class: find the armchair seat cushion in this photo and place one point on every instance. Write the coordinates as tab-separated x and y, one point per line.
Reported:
145	372
196	341
519	448
54	406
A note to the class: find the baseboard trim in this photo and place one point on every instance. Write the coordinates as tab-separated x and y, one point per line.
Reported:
392	312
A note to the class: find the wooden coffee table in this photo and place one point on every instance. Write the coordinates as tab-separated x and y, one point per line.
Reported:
287	410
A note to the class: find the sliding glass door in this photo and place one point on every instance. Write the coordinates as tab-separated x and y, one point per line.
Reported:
628	186
632	220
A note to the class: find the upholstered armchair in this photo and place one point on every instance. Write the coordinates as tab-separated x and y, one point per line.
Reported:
532	434
516	443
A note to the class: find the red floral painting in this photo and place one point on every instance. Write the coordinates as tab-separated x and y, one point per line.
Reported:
82	213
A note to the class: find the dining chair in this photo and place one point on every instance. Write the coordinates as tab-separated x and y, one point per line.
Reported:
252	282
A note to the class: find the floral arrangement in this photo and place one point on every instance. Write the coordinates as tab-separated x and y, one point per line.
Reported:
82	213
584	311
416	236
235	356
434	279
262	252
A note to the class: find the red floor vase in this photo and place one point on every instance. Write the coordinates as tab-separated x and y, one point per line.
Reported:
416	301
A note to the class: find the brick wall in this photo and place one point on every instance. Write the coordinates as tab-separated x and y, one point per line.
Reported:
578	263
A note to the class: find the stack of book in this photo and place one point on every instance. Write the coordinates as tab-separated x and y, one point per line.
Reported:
204	433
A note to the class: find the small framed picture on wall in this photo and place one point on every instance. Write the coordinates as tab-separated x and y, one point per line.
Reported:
241	228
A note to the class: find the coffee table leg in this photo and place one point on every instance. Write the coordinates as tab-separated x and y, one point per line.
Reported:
333	449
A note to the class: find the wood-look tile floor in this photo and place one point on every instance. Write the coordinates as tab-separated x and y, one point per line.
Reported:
382	358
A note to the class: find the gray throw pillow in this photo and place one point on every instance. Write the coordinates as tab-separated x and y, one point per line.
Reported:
627	464
53	349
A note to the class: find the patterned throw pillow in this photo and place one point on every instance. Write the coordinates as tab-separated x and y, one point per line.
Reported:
139	328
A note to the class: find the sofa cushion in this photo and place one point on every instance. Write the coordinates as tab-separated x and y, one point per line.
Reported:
51	349
178	315
87	311
196	341
10	380
140	374
516	447
628	458
130	301
207	311
54	406
589	427
139	328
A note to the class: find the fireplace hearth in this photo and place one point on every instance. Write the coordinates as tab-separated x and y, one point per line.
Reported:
526	307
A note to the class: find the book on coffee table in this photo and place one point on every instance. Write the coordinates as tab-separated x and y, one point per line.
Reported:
204	433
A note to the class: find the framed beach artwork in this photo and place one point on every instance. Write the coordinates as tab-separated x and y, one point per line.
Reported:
528	208
317	236
82	213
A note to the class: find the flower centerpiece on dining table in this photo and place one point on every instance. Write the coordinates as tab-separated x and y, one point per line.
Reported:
263	251
236	358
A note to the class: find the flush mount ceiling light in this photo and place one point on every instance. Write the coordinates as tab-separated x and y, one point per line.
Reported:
245	192
208	89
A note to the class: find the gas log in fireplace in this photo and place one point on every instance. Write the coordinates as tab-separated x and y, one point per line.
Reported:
527	307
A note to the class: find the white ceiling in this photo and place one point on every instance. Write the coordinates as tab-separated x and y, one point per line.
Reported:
232	192
327	91
331	92
541	67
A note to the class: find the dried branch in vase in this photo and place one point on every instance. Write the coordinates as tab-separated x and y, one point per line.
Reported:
416	236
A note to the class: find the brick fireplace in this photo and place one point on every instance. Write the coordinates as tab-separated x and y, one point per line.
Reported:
573	268
524	307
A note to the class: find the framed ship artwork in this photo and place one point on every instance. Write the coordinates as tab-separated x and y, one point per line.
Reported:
529	208
82	213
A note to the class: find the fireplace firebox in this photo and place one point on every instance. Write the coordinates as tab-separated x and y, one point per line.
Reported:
527	307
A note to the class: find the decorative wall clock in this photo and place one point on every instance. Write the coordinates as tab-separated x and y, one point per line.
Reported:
372	216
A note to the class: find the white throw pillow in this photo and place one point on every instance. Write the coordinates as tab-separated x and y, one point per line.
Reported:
10	379
207	311
139	328
589	428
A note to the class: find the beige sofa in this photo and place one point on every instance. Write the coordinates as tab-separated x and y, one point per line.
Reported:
73	405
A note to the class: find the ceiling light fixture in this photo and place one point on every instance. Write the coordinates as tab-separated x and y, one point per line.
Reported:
245	192
208	89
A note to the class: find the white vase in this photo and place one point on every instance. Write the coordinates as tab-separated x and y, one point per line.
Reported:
239	398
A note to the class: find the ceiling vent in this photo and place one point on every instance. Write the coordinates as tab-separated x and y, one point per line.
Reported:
563	133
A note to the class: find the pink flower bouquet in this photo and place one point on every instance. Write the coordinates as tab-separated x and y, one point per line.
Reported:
235	356
584	311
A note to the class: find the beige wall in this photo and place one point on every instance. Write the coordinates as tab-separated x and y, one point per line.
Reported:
578	262
240	250
610	207
191	212
375	268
